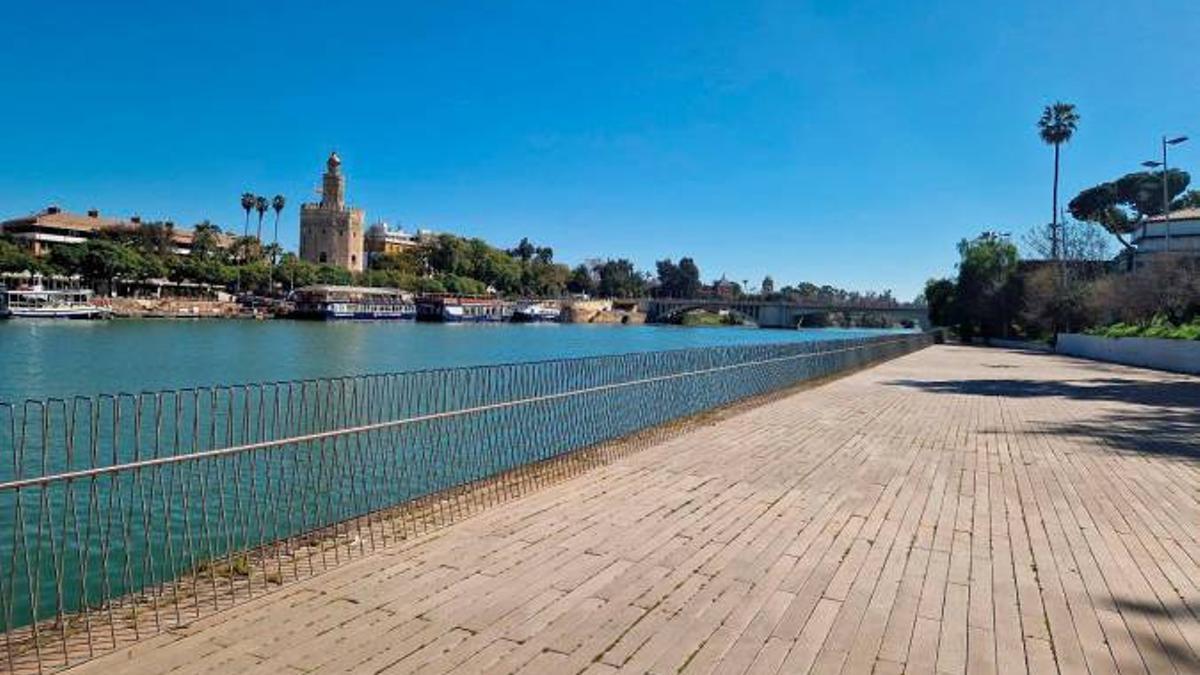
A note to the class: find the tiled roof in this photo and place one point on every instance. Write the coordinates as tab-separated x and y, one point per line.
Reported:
66	220
1192	213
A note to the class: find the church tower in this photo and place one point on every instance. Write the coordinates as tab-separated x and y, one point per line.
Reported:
331	233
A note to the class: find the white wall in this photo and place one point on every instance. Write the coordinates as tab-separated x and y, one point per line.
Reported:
1180	356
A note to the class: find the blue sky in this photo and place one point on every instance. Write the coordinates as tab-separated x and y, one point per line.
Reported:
850	143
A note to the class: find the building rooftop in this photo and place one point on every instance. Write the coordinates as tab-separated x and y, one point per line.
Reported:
91	222
1192	213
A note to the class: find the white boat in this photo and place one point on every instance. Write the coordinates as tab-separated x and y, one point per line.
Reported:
531	312
38	302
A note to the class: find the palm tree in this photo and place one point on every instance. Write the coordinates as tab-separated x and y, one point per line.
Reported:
1056	126
261	205
247	206
277	203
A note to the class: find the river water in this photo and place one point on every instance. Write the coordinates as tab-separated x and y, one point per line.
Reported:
75	542
47	358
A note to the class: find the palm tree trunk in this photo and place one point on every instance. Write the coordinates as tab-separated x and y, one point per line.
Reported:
246	227
1054	217
275	240
258	234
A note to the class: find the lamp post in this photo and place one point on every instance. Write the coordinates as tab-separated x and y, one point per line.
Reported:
1166	199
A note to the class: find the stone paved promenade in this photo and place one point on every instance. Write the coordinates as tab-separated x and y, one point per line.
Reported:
956	510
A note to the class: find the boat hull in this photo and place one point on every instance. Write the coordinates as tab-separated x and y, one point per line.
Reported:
522	317
64	313
330	315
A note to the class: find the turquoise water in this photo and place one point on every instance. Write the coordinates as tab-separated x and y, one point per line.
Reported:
76	543
48	358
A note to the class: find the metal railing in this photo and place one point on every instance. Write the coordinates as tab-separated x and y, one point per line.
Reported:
124	515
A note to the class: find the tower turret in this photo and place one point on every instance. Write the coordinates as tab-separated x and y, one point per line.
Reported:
333	189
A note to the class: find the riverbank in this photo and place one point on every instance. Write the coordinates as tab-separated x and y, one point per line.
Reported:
172	308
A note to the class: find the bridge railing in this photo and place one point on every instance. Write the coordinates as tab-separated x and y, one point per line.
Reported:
123	515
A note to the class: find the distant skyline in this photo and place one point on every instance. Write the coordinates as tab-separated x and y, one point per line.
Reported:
848	143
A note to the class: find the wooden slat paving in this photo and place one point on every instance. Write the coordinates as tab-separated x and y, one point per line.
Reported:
956	510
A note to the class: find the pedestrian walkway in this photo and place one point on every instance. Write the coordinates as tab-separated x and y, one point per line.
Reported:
955	510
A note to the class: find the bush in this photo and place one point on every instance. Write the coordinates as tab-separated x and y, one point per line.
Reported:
1158	327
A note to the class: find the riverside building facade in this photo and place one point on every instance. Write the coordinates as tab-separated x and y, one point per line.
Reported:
52	226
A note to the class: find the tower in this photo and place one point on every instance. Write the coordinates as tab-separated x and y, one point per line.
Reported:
331	233
333	186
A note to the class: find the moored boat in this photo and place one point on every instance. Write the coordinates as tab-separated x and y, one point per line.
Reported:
532	312
38	302
352	302
452	309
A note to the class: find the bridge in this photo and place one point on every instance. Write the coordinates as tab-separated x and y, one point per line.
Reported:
779	313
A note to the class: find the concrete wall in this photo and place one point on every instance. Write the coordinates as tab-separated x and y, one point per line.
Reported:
1019	344
1180	356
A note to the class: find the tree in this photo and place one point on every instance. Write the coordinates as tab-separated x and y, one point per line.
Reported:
689	277
294	272
206	240
1188	200
668	278
678	281
619	279
768	286
248	202
103	261
246	250
13	258
1142	191
261	205
581	281
1119	206
524	251
987	294
939	298
1077	241
1056	126
277	203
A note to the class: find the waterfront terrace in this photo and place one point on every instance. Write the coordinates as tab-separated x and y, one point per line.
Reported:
952	510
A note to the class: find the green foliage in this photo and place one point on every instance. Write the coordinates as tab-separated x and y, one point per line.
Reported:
410	262
1188	200
810	293
13	258
678	281
1158	327
581	281
1117	205
987	294
619	279
939	296
1058	123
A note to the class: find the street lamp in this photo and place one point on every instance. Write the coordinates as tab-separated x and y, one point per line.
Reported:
1166	199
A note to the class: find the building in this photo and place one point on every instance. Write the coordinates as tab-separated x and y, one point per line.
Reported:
724	289
1157	235
331	233
381	238
53	227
